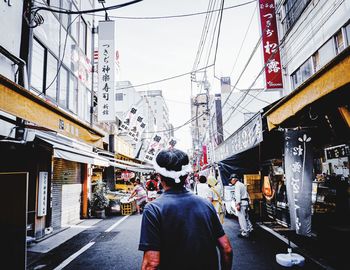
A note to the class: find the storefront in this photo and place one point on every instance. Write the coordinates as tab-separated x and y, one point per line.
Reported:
319	108
251	152
55	148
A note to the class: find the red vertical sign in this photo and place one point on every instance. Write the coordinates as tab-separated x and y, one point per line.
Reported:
272	59
205	155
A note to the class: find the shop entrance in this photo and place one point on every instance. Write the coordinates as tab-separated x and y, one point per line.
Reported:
13	218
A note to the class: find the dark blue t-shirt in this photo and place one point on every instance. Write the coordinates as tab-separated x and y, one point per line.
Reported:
184	228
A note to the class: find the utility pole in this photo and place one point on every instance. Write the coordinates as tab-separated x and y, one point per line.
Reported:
200	139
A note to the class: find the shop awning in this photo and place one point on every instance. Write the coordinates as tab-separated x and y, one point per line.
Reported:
123	164
130	168
331	78
68	149
242	163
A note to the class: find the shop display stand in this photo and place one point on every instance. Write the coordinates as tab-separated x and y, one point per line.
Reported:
289	259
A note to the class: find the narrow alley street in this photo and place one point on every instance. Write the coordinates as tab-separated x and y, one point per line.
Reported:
112	243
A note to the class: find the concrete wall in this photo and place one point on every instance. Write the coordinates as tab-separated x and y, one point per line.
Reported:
320	20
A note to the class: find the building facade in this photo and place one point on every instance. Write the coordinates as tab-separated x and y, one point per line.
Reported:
47	129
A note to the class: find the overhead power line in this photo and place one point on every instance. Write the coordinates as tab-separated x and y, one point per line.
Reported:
166	79
327	16
66	11
165	16
178	127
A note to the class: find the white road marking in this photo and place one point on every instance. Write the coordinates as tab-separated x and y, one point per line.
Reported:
83	249
72	257
116	224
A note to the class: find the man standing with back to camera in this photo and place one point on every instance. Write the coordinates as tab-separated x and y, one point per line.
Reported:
181	230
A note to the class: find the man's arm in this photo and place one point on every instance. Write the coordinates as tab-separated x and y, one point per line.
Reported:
151	260
225	252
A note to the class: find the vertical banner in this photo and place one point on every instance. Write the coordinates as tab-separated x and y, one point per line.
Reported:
42	193
171	144
272	59
298	171
128	119
205	154
106	71
136	128
153	147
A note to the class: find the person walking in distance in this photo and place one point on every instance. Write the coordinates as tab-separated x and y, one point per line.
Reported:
139	193
203	190
180	230
242	206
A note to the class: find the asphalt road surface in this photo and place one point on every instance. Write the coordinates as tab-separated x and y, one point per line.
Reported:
113	244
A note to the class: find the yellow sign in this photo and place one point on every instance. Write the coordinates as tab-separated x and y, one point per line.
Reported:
21	103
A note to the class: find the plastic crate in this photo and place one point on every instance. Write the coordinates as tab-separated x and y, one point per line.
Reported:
127	208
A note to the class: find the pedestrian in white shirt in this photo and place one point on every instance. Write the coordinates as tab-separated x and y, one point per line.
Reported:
203	190
242	206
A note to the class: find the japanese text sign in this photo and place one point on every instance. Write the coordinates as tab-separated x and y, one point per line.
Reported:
42	193
153	148
172	142
272	59
243	139
106	71
129	119
298	171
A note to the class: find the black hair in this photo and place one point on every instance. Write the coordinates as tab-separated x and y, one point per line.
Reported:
135	180
202	179
151	186
172	160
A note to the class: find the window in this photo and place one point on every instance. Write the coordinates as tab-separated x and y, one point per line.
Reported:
347	31
63	91
302	74
306	70
293	9
89	42
73	93
82	35
51	76
74	29
65	18
88	105
38	64
316	61
339	41
119	96
326	52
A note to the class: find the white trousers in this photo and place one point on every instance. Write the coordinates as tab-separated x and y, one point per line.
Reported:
243	219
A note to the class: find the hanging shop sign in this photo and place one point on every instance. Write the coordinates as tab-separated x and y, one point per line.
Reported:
337	151
153	148
272	59
171	144
106	71
129	119
136	128
245	138
204	155
298	171
42	194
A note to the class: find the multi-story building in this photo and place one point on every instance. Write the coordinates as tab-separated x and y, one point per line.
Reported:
315	55
46	127
157	104
200	116
151	106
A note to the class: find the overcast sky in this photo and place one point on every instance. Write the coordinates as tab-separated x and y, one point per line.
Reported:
152	50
